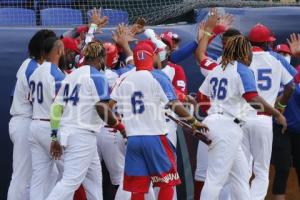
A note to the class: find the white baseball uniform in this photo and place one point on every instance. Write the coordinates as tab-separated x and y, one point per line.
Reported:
44	84
21	111
226	160
270	74
80	123
111	145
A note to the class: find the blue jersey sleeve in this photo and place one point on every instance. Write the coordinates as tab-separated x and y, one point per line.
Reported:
184	52
247	78
58	76
165	83
32	65
101	84
284	63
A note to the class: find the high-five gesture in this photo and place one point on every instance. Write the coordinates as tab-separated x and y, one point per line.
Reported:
294	42
98	19
138	26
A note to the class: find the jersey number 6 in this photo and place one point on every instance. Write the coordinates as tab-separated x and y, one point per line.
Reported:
138	106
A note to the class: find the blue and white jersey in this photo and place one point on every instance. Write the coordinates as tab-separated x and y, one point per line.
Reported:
111	76
226	88
125	69
80	92
141	97
270	73
44	84
21	105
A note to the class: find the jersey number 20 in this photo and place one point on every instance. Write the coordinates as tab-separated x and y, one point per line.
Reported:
39	91
138	106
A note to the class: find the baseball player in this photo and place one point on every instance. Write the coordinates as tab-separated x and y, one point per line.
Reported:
44	84
21	111
207	31
230	86
141	97
75	112
271	71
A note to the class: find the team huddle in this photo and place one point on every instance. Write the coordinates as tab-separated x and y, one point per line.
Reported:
79	101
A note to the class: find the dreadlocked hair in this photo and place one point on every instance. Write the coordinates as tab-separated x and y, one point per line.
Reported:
94	50
236	48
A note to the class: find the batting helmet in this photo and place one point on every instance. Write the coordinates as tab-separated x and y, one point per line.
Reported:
260	33
112	54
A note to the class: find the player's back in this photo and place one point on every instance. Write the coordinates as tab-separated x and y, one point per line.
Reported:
141	101
44	85
270	74
21	105
80	92
226	87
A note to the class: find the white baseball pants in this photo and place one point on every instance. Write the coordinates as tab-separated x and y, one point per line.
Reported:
81	165
111	149
44	168
21	176
226	160
257	142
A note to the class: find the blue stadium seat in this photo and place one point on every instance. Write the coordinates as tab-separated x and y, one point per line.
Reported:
115	17
61	2
17	16
13	2
60	17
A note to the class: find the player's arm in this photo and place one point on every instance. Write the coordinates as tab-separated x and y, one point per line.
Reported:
106	114
168	96
96	23
122	37
285	97
55	117
247	88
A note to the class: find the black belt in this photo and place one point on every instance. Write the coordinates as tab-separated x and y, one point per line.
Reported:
236	120
45	120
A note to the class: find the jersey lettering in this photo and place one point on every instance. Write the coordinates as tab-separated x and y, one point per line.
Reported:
39	91
138	106
74	95
264	81
219	88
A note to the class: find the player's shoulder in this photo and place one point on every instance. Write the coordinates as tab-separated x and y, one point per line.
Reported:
27	68
243	71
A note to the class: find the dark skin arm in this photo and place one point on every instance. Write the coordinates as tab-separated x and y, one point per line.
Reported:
261	105
287	93
177	107
106	114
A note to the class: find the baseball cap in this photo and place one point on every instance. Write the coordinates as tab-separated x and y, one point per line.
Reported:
261	33
143	55
167	39
283	48
70	44
112	54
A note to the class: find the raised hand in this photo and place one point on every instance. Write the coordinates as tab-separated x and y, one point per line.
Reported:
294	43
123	35
226	21
212	20
98	19
201	29
138	26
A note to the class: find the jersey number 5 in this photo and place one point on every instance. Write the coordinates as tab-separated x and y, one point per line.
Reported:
74	95
219	88
264	82
138	106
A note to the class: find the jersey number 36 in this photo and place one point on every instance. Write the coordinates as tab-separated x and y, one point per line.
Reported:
219	88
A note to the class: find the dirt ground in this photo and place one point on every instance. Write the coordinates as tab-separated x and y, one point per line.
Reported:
293	191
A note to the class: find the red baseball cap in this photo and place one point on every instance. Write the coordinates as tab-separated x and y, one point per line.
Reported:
261	33
70	44
167	39
112	54
283	48
143	54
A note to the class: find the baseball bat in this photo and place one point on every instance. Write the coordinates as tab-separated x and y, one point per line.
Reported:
198	134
